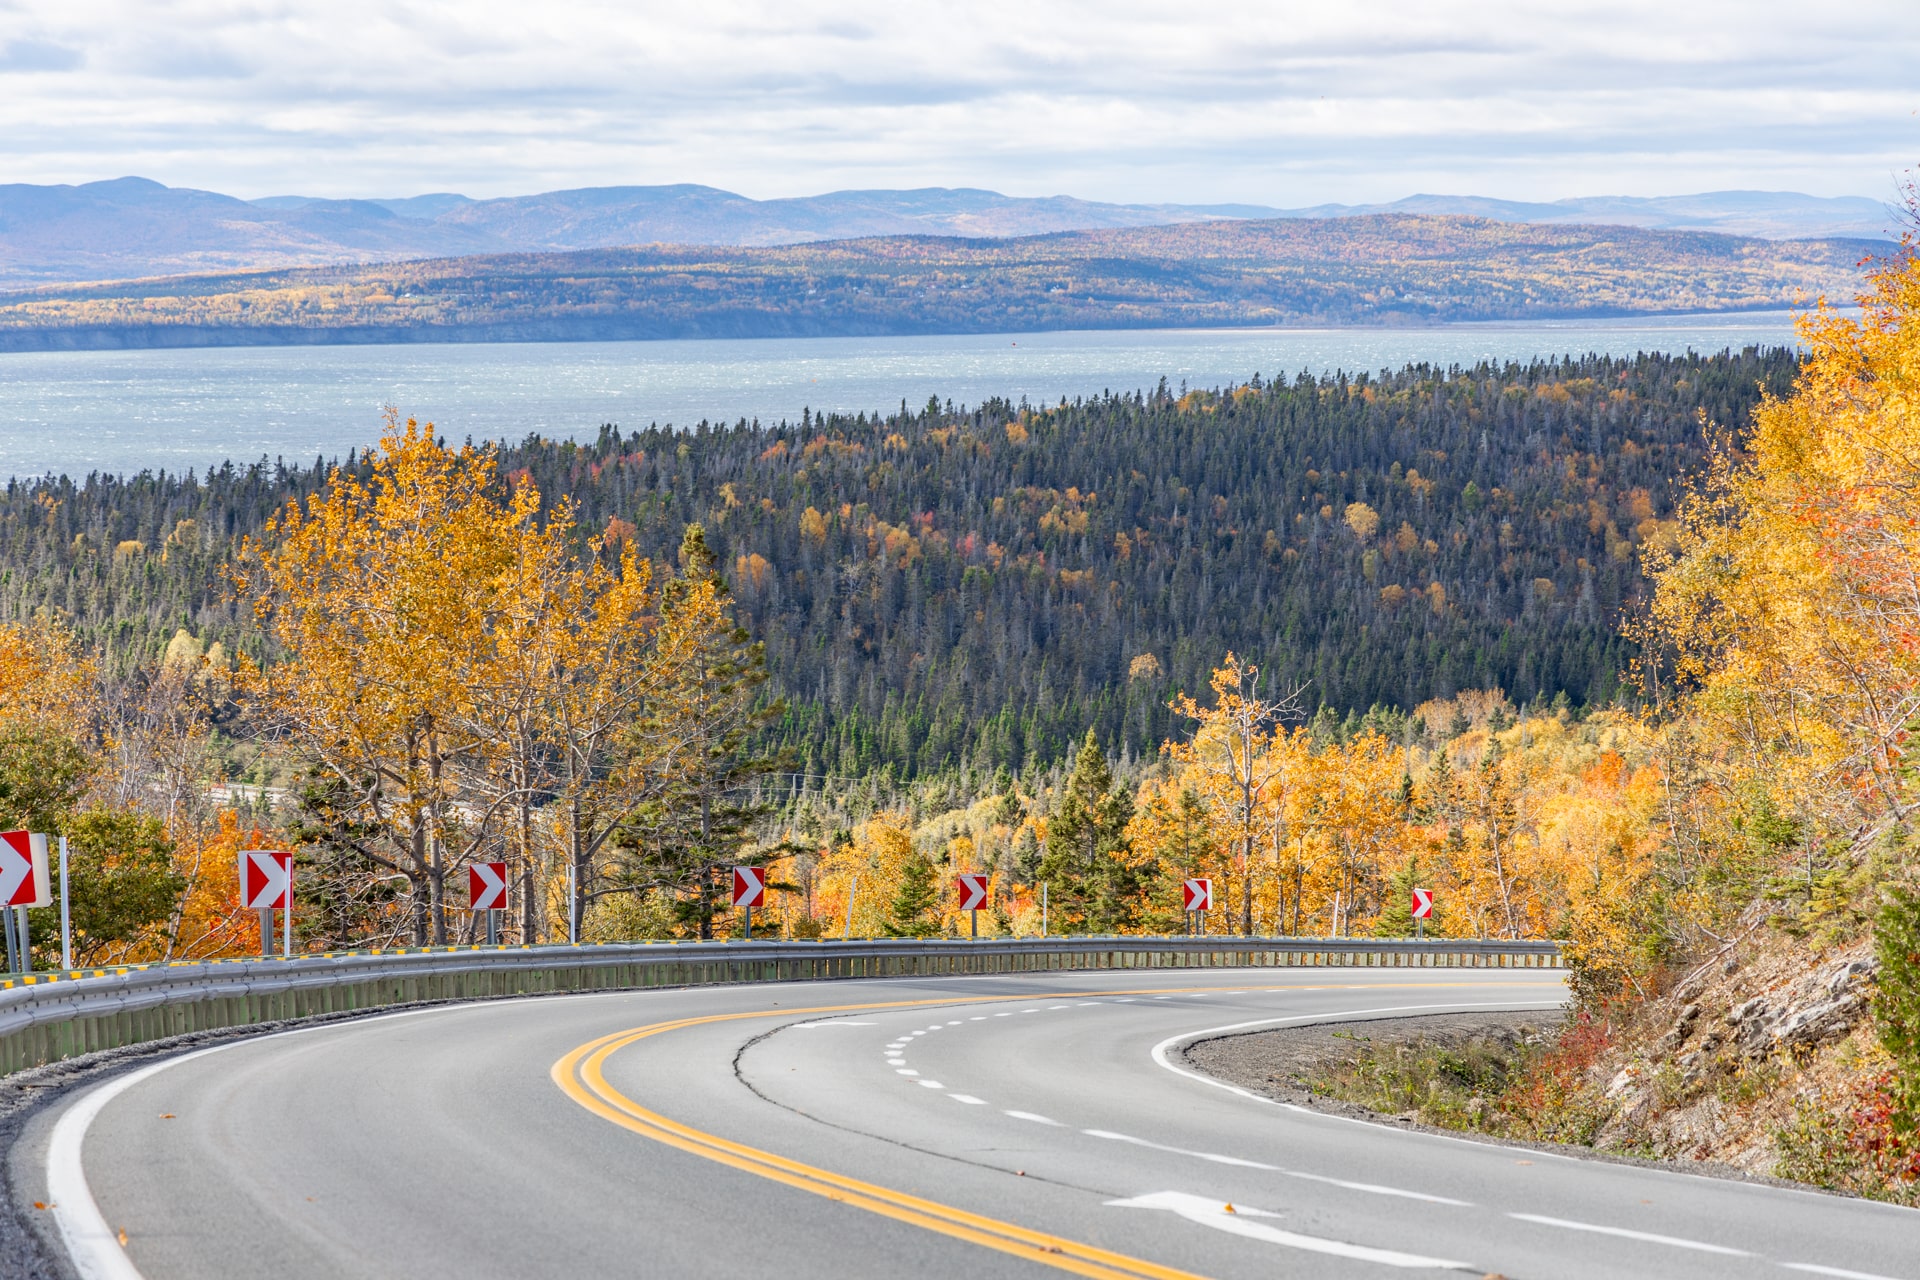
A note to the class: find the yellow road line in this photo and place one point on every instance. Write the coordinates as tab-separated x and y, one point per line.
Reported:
581	1075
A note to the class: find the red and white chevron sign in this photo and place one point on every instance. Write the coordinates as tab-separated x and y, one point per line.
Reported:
1422	904
266	879
749	886
973	892
23	870
487	886
1198	893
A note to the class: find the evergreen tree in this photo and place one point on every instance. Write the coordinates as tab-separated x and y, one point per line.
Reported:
915	910
1396	912
1182	843
1090	885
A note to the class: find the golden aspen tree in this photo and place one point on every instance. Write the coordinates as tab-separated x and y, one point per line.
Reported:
388	594
1229	748
1791	600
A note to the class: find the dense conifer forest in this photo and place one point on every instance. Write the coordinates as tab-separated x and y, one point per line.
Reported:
946	586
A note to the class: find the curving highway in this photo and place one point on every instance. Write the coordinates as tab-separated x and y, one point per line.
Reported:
982	1127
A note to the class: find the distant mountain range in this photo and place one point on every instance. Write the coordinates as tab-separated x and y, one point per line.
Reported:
131	227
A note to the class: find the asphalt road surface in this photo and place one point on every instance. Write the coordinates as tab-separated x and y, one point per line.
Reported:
977	1127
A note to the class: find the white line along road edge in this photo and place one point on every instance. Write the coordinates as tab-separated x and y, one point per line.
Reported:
92	1245
1165	1047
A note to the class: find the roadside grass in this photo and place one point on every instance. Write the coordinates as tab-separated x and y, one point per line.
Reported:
1531	1085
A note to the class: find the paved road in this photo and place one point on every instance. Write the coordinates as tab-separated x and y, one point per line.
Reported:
985	1127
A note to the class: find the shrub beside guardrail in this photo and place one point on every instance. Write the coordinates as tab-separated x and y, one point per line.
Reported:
48	1017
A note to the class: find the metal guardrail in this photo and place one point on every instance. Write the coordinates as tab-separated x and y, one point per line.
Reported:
49	1017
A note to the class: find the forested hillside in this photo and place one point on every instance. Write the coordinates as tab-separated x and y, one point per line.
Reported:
942	586
1381	269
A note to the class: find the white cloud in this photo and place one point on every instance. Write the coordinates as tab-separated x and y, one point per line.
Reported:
1284	103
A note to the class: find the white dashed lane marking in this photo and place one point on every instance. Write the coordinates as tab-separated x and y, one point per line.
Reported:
1675	1241
968	1098
1035	1119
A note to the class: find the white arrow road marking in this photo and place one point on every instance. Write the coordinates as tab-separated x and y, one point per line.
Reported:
1180	1151
1371	1187
1209	1212
1649	1236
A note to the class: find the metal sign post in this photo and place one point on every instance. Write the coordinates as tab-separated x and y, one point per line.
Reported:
266	882
749	889
487	893
973	895
1196	896
66	915
23	883
573	913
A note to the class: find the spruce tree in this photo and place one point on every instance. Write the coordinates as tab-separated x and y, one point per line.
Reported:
1090	885
914	912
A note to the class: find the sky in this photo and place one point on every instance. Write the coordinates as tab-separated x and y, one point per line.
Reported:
1276	103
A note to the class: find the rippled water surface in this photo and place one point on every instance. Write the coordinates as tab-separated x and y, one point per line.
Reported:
127	411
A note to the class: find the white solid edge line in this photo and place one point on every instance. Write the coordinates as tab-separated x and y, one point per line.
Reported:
1159	1055
92	1245
1842	1272
1629	1234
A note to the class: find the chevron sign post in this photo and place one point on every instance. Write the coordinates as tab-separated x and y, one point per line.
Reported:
973	896
23	883
1422	908
487	891
1197	895
749	891
266	886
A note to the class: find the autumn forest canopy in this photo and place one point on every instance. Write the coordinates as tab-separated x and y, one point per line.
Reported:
946	635
1611	651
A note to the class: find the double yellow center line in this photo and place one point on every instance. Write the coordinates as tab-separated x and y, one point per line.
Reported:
581	1075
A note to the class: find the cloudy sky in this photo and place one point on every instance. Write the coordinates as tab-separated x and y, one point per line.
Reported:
1280	103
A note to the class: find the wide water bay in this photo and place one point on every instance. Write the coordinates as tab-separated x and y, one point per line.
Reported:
125	411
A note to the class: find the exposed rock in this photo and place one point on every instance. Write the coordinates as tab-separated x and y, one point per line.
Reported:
1682	1028
1623	1081
1842	978
1821	1023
